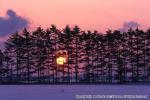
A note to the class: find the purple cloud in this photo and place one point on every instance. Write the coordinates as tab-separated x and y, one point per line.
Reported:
128	25
12	24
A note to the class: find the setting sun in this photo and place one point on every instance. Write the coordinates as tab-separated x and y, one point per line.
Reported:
61	60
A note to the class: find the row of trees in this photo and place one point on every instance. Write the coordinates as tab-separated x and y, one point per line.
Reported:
114	57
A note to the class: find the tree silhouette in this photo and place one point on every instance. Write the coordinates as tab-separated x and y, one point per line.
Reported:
93	57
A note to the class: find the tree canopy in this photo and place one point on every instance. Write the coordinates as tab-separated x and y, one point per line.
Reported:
93	57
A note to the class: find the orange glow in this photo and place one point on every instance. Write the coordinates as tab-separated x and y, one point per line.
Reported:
61	60
88	14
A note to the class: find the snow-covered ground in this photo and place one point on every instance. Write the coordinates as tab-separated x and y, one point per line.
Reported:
69	92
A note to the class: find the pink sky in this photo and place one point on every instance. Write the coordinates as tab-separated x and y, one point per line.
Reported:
88	14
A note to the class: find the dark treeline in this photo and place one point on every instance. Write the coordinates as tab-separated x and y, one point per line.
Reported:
93	57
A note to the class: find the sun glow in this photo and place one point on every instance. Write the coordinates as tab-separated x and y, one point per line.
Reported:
61	60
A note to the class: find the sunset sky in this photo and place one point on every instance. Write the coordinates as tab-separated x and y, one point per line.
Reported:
88	14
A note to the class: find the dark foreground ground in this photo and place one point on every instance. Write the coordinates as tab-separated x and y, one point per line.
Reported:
71	92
